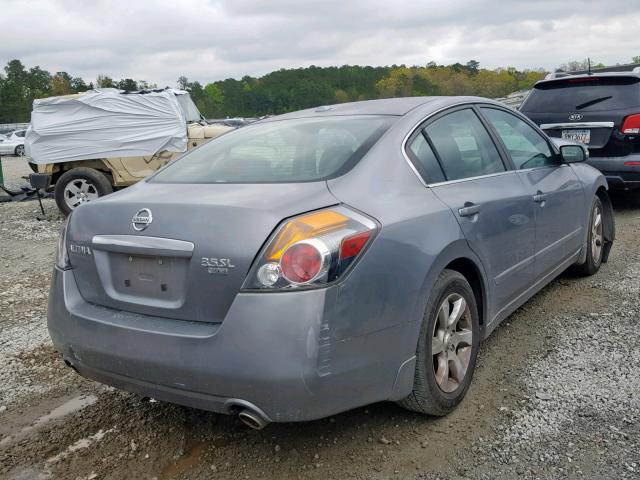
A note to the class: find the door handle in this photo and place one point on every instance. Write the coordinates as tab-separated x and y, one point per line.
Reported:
539	197
469	209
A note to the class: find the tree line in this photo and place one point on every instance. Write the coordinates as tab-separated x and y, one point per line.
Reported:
283	90
293	89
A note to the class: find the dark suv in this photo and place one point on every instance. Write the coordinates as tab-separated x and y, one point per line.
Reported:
600	110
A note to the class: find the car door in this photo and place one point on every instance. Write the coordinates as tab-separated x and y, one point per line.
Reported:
553	186
4	142
465	169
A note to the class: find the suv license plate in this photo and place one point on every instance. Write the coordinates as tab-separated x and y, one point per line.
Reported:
582	136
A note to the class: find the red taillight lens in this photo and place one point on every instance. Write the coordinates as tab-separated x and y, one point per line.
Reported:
631	125
351	246
312	250
301	262
632	164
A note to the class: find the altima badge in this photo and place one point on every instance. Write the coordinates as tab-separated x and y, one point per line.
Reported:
142	219
81	249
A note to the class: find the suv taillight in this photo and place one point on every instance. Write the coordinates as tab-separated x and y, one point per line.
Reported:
631	125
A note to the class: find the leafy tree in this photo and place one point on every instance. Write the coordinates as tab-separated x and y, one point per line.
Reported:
473	66
341	96
14	94
577	65
198	96
399	83
78	85
636	59
15	72
213	98
104	81
39	82
61	84
127	84
183	82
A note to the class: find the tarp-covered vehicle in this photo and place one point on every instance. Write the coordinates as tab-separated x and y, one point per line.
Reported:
94	142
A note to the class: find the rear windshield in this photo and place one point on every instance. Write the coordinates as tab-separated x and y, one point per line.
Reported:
295	150
583	94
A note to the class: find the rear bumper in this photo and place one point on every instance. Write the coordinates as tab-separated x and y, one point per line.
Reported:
619	176
273	352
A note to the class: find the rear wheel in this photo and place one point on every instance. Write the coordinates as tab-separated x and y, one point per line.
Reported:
78	186
595	241
447	347
19	151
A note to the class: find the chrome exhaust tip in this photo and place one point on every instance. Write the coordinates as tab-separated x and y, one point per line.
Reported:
252	419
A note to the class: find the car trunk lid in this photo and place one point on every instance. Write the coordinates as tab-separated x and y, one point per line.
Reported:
191	258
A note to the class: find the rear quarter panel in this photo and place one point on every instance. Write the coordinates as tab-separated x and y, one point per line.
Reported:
419	235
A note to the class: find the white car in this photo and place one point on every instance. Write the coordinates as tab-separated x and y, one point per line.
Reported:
12	143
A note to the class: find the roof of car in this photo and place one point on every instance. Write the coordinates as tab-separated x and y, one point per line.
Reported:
386	106
593	75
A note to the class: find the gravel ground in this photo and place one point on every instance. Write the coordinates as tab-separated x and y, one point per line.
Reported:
14	168
556	395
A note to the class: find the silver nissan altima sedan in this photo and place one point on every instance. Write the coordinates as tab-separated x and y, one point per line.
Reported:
326	259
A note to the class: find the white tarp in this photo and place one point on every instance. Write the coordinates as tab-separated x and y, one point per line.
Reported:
105	123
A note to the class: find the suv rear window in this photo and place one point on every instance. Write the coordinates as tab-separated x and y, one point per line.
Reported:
294	150
583	94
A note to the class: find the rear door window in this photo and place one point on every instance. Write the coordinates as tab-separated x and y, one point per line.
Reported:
583	94
425	160
464	146
527	148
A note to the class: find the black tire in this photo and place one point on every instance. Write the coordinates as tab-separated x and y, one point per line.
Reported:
98	182
594	255
427	396
19	151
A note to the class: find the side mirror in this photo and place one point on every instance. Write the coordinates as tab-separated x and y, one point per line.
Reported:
574	153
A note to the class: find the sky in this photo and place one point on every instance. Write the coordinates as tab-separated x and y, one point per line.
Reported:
208	40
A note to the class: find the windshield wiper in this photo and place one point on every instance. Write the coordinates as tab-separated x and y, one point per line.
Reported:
592	102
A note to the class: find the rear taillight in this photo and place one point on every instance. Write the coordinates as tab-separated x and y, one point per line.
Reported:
311	250
304	261
631	125
62	257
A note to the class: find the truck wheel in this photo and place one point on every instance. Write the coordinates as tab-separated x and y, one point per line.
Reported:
78	186
19	151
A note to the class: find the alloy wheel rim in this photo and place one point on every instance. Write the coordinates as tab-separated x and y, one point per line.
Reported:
596	234
20	150
451	342
79	191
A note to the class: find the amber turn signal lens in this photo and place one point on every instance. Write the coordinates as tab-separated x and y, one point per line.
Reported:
302	228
